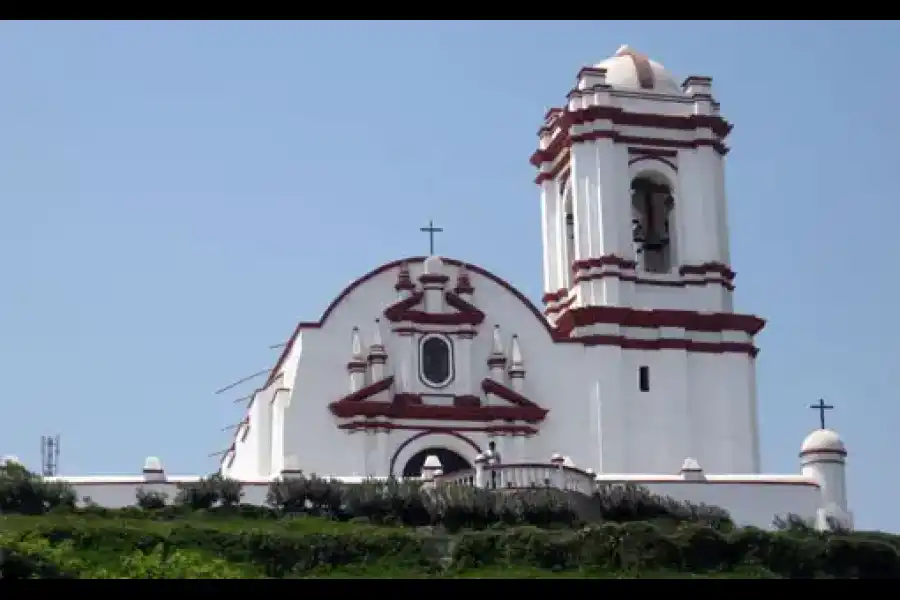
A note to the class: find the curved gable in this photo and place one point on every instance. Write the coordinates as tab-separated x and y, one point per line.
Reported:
386	268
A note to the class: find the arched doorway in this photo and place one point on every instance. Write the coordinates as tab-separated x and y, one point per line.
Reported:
451	462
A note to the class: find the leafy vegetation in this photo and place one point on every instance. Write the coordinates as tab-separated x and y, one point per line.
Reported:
317	528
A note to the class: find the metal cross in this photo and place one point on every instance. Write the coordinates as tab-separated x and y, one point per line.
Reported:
431	230
821	407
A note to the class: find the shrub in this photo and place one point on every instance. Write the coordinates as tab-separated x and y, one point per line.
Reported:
628	502
201	495
24	492
408	503
150	499
306	495
209	492
176	564
385	502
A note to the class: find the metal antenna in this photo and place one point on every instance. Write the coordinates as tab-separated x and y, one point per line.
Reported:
49	455
240	381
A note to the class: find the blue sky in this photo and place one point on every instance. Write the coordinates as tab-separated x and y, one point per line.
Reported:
175	196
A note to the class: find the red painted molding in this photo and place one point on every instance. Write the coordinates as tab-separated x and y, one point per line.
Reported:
402	312
369	390
425	412
617	116
656	318
464	408
489	386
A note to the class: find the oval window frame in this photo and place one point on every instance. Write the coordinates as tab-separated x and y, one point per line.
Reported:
450	361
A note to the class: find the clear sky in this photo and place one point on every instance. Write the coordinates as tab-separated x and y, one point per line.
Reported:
175	196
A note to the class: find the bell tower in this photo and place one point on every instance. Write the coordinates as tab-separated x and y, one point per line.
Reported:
631	172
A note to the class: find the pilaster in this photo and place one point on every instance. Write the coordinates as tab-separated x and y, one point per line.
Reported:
550	209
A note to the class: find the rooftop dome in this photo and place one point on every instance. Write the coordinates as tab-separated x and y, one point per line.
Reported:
632	70
823	440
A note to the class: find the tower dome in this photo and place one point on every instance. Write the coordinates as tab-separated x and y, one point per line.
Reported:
823	440
631	70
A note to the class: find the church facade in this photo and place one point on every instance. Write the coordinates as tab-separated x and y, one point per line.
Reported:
635	361
634	368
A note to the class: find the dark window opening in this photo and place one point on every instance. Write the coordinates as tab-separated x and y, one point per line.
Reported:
644	379
436	367
451	462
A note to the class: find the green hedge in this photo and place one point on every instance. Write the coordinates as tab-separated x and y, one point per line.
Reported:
280	550
312	526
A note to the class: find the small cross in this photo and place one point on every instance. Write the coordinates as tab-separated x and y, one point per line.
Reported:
821	407
431	230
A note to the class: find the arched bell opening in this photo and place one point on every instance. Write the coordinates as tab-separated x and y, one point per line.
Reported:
652	213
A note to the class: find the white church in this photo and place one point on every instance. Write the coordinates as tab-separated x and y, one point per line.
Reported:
636	368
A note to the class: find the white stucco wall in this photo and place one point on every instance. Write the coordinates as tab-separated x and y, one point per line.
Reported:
750	501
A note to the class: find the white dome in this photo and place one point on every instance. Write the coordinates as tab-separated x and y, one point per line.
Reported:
823	440
624	71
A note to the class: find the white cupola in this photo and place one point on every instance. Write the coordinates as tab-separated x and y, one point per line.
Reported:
823	458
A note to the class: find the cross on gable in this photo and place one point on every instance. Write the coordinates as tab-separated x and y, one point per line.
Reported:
821	407
431	230
641	66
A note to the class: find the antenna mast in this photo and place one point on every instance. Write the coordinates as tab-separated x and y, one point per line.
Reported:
49	455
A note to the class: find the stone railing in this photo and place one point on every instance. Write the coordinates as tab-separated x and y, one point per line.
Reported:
554	474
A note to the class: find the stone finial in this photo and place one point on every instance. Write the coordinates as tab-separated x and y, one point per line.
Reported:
291	467
376	336
431	467
357	362
404	281
377	353
517	364
291	463
691	469
690	464
356	343
433	265
153	469
557	459
153	465
497	341
463	283
497	359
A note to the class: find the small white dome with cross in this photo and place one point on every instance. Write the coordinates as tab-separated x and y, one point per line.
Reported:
823	440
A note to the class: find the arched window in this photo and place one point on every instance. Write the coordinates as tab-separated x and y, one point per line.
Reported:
568	238
436	361
651	213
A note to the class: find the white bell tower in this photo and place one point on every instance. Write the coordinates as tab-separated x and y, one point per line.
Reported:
633	192
637	267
